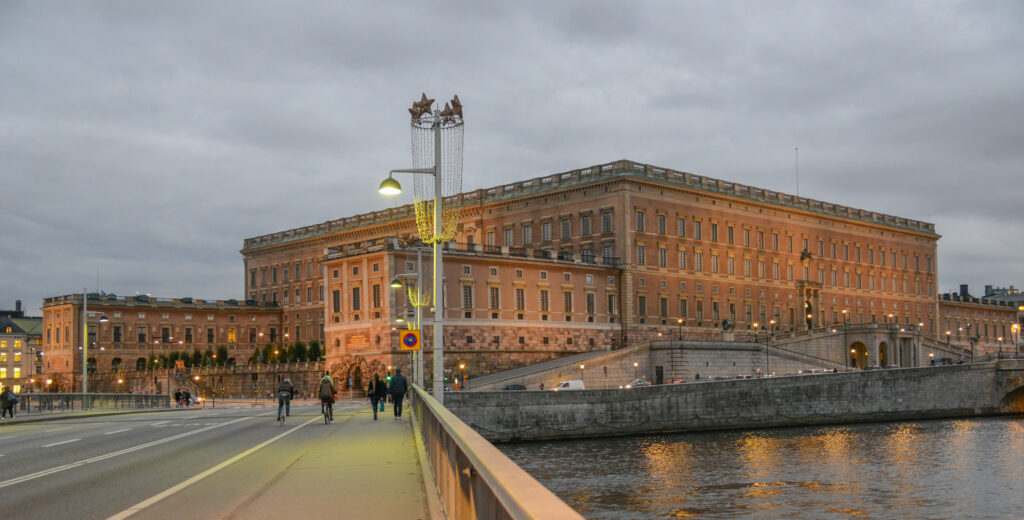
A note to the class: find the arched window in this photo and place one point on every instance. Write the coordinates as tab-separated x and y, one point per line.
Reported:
140	364
115	364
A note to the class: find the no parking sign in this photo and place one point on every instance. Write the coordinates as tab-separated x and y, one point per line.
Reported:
409	339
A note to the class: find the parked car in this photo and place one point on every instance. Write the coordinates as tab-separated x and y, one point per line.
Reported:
637	382
941	361
574	384
515	387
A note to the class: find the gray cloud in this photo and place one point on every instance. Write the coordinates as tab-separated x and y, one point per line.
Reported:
146	140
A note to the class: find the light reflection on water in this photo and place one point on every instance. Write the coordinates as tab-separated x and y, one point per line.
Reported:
928	469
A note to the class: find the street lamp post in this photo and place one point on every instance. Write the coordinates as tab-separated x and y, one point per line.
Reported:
849	359
582	366
772	329
462	379
391	187
755	325
1015	329
85	343
416	362
635	367
681	321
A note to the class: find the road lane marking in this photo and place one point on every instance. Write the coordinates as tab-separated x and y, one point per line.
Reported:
159	423
8	437
56	430
98	458
170	491
117	431
59	443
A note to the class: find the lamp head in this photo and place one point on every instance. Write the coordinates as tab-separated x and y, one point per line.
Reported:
390	186
395	284
104	319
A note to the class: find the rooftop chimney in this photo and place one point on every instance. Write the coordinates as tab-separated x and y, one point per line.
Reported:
963	291
988	291
17	305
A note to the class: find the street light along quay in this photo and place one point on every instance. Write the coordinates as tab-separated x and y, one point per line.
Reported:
448	124
85	343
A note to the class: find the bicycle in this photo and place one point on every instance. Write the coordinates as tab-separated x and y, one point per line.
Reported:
327	411
282	407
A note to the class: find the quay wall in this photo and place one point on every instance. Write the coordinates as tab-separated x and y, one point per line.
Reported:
862	396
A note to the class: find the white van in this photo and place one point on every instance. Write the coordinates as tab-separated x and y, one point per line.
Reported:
575	384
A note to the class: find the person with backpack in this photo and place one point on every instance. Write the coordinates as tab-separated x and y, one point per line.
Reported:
399	387
285	393
327	395
7	401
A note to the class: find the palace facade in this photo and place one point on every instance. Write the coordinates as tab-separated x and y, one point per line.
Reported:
596	258
129	332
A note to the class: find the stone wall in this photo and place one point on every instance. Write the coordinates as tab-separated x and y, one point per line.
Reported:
846	397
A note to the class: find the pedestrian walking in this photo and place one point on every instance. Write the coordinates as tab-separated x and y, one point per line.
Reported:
188	398
7	401
377	393
177	397
399	387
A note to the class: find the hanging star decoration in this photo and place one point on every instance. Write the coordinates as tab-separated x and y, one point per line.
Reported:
456	107
421	107
447	115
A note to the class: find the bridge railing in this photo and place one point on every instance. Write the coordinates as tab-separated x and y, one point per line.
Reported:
474	479
47	403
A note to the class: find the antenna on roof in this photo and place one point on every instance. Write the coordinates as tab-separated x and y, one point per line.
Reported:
796	152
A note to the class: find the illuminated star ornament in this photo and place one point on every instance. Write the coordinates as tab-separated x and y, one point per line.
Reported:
421	107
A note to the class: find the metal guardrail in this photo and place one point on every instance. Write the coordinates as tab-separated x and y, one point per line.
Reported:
475	479
46	403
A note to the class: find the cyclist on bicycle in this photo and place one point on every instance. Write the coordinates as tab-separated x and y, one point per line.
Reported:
327	395
285	393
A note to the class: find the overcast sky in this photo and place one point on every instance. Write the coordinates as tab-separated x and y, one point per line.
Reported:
144	141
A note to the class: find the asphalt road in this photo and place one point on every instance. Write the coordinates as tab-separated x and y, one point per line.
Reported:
100	467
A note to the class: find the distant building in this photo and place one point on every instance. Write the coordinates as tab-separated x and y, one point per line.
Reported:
20	348
593	259
989	321
140	329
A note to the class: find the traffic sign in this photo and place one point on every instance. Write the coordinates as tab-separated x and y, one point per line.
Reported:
409	339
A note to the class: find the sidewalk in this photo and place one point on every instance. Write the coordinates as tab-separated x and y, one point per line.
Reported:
23	418
366	468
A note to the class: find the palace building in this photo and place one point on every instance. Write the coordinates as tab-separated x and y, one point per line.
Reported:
597	258
126	333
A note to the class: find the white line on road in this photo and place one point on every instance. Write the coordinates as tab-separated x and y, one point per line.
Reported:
61	442
56	430
158	423
58	469
117	431
160	496
8	437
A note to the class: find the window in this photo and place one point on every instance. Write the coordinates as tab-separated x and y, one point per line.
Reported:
508	237
285	273
746	238
729	235
467	296
210	331
789	272
760	269
606	222
520	299
490	239
336	301
714	263
682	260
698	261
714	232
612	309
585	225
663	307
775	270
682	308
274	277
640	221
696	229
466	269
760	239
252	278
775	241
567	301
821	248
494	299
232	335
641	305
494	271
681	227
545	231
544	307
309	268
746	267
117	333
591	303
661	224
141	332
519	273
640	259
606	254
566	229
846	252
376	296
527	234
355	299
833	250
731	265
662	257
